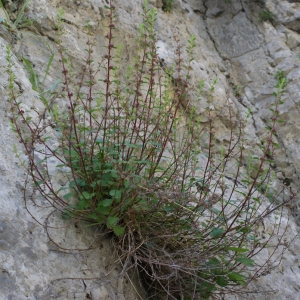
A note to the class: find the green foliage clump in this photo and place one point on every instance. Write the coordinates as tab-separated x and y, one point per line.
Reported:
237	90
168	5
130	151
14	16
265	16
281	79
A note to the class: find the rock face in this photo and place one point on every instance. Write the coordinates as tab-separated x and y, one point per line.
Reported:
234	46
253	52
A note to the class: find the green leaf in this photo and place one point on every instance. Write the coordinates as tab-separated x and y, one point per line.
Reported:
39	182
60	166
246	261
246	229
204	295
106	202
71	153
111	221
103	210
87	195
118	230
67	196
52	87
81	205
20	14
130	145
48	66
236	249
216	232
222	281
234	276
72	184
242	193
256	199
126	184
268	128
214	261
169	208
206	289
116	194
99	141
97	218
203	224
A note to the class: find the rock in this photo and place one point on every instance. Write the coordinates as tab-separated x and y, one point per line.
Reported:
156	3
286	12
233	46
197	6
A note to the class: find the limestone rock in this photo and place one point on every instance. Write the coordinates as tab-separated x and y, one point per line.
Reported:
232	45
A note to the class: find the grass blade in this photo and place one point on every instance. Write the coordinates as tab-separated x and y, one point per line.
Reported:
48	67
21	14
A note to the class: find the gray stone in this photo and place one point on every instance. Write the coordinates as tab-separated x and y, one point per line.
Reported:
232	46
236	36
286	12
197	6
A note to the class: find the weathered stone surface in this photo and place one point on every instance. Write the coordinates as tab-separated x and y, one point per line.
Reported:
286	12
236	36
257	51
232	45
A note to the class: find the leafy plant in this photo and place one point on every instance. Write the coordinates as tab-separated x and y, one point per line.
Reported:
13	25
281	78
37	85
168	5
130	150
237	90
265	16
